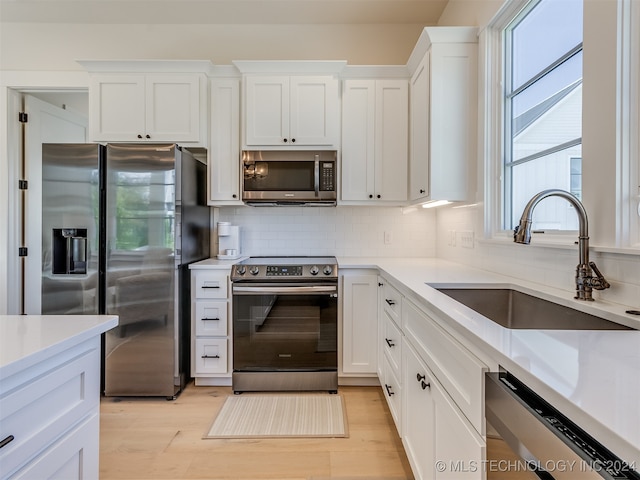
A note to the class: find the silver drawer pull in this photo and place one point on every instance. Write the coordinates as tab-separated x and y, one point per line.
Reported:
210	356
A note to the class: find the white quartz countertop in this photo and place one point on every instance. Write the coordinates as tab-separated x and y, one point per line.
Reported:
215	264
592	377
27	339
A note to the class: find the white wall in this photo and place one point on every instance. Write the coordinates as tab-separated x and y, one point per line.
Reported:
45	46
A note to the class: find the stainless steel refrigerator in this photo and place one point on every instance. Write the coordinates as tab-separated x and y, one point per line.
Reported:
120	226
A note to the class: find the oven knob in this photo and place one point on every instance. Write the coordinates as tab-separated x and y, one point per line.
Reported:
327	270
241	269
314	270
254	270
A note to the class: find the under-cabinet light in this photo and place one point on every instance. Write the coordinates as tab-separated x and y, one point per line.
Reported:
436	203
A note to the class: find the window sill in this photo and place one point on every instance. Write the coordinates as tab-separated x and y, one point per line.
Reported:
557	241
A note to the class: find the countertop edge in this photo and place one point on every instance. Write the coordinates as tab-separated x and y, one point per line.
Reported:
80	335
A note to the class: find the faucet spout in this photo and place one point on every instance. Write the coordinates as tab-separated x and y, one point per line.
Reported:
585	281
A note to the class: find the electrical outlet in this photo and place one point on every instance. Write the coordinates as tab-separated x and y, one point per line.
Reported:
388	238
451	238
467	239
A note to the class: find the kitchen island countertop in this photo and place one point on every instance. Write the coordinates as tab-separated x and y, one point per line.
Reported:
593	377
27	339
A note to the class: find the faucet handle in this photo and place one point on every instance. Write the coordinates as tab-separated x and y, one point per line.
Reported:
598	282
515	232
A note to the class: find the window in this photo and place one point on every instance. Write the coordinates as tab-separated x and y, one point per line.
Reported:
542	103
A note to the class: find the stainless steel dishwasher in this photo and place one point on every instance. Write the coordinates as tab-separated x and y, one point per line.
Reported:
548	444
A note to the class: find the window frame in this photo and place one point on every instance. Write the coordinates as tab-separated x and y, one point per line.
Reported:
509	94
492	121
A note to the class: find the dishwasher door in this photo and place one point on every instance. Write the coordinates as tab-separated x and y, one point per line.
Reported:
549	445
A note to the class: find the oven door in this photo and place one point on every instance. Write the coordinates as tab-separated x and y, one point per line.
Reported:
284	327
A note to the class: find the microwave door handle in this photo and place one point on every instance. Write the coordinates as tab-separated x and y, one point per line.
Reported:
316	176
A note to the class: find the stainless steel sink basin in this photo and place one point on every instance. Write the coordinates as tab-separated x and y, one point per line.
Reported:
517	310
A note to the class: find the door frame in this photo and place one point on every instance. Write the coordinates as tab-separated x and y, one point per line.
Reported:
12	85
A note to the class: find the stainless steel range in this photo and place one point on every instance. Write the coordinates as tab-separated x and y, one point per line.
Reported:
285	324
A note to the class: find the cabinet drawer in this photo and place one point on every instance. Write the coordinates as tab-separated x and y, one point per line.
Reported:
392	390
211	317
211	355
392	344
207	284
72	457
459	371
392	302
36	412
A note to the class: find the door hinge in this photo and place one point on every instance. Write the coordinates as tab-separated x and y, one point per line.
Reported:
23	185
23	117
23	251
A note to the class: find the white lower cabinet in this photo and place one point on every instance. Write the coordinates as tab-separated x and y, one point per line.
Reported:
438	439
211	329
433	386
359	320
50	416
392	389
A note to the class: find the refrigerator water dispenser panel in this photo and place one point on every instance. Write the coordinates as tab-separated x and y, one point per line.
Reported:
69	251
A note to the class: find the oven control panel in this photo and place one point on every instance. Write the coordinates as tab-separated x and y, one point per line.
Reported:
283	271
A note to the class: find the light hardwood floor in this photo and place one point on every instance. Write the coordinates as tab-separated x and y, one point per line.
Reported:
159	439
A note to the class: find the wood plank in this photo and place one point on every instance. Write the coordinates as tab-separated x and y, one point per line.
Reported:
152	438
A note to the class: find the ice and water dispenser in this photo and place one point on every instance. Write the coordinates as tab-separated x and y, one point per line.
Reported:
69	251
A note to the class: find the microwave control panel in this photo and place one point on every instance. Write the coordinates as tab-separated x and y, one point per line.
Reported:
327	176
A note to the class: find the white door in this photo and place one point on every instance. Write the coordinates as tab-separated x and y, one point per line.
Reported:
46	124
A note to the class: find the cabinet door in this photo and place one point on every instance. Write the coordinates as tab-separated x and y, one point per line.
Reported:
116	107
74	456
267	110
434	428
359	317
419	138
314	110
391	140
419	423
392	389
358	140
224	162
172	108
458	446
454	104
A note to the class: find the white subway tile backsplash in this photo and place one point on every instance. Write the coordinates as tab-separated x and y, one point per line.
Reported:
340	231
548	266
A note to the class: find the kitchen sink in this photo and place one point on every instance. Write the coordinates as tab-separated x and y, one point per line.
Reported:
517	310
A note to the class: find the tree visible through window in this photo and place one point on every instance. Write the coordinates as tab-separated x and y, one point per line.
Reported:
543	111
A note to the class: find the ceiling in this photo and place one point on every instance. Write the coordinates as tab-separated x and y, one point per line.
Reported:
425	12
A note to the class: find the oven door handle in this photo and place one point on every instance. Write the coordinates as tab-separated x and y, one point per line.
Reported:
312	289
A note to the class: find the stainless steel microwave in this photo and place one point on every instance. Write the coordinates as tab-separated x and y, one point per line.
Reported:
290	177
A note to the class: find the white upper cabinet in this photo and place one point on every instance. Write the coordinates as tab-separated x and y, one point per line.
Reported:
375	140
443	114
291	111
224	154
147	101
